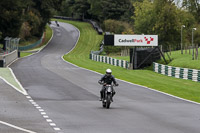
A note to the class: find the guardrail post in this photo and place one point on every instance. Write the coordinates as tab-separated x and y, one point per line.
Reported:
190	71
195	75
181	73
163	69
198	76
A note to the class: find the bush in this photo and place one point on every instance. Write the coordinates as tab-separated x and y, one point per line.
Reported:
117	27
112	50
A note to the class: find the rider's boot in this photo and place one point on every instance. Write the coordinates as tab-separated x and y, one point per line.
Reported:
101	96
113	96
111	99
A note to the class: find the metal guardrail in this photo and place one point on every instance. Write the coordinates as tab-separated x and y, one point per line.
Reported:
6	59
93	23
177	72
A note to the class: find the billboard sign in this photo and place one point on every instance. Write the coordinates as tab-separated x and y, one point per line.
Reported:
135	40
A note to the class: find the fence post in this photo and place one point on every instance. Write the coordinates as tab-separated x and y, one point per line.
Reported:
163	69
166	70
198	76
185	73
195	75
190	71
177	72
169	71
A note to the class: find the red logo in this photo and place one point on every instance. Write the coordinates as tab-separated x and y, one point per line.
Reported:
148	41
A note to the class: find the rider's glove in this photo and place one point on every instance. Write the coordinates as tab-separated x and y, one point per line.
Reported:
116	84
99	82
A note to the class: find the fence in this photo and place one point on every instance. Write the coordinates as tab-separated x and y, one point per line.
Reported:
24	48
8	58
177	72
110	60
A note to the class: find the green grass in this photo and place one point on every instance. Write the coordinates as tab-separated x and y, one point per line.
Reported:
23	54
127	58
6	74
178	60
89	40
184	60
48	35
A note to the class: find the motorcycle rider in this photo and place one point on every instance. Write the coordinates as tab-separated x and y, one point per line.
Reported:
108	78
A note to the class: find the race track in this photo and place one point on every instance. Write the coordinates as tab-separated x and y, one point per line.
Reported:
69	95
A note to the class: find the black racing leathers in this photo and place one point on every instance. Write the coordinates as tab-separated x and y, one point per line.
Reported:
105	79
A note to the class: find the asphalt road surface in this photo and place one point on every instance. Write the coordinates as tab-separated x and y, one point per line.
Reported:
69	95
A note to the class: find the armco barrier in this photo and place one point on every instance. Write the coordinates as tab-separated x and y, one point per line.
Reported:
177	72
8	58
93	23
28	47
110	60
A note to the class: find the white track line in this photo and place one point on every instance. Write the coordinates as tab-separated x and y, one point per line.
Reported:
127	81
13	86
23	90
139	85
16	127
53	125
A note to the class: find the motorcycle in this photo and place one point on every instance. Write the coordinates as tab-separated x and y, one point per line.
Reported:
107	96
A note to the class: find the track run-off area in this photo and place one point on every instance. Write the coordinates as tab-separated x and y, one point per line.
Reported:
63	98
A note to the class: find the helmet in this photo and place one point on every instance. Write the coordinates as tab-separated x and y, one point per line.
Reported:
108	71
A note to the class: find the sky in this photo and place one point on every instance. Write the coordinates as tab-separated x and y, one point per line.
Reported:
178	2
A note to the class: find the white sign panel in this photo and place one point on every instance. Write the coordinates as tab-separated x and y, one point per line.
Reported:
136	40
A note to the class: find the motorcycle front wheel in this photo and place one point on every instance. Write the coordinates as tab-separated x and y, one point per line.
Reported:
108	101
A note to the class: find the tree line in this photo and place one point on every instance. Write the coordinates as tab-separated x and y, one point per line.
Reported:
161	17
26	18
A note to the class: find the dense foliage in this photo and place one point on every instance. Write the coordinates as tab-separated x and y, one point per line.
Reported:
26	18
161	17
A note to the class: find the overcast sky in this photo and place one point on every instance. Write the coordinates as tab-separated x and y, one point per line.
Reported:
178	2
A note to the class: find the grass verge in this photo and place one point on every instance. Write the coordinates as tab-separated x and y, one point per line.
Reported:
7	75
89	40
178	60
48	35
184	60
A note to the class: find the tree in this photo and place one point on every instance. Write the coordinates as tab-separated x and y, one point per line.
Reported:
115	9
66	8
26	18
197	35
144	17
81	7
159	17
45	9
117	27
193	6
167	23
95	9
187	19
11	17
